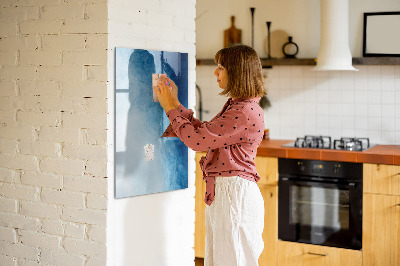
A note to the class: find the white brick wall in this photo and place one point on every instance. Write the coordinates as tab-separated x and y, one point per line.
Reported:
55	137
53	154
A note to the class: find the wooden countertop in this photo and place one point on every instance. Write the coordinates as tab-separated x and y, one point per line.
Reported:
379	154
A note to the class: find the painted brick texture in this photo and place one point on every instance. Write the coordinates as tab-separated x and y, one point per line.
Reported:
53	111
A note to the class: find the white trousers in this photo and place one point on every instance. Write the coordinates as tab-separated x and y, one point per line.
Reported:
234	223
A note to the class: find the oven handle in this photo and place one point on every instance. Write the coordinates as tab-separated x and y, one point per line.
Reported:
297	181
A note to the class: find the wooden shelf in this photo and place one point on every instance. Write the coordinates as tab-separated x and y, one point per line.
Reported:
376	61
288	62
312	61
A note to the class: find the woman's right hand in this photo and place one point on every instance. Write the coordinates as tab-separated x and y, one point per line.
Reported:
174	91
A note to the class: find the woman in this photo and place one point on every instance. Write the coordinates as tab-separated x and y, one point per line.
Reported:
235	207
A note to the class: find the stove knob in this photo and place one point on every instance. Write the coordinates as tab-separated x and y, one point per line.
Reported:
301	166
336	169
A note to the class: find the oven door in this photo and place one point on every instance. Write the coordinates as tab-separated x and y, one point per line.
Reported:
315	211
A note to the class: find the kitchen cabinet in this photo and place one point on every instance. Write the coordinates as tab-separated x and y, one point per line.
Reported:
381	221
381	215
200	207
270	233
267	168
381	179
381	230
290	253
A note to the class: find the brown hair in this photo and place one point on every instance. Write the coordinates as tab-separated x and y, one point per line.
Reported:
245	78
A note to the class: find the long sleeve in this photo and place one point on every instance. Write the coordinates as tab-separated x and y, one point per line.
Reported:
186	113
225	130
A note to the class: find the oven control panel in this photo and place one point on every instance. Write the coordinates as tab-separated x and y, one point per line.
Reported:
331	169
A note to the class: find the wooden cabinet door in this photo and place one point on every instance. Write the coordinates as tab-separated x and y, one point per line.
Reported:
381	230
381	179
267	168
297	254
270	233
200	207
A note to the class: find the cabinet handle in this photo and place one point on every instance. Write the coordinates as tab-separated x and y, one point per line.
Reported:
318	254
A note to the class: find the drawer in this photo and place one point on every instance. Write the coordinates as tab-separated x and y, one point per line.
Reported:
381	179
293	254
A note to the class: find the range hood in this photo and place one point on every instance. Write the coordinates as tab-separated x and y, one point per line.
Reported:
334	51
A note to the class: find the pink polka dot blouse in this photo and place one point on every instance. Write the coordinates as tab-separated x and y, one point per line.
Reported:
231	139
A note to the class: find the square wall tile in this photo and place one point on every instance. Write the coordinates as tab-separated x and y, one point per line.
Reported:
347	109
348	123
397	72
308	72
397	134
297	83
374	84
348	132
397	122
388	97
348	96
374	124
334	81
285	72
322	109
374	97
321	83
322	121
388	124
335	95
387	72
361	97
375	136
335	122
361	110
360	133
322	95
388	137
388	110
374	110
334	109
374	70
296	71
388	84
310	95
310	109
285	83
361	123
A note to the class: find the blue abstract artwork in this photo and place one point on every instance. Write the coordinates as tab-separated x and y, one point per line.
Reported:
145	163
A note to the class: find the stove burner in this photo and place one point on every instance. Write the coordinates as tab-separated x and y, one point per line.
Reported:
324	142
351	144
308	141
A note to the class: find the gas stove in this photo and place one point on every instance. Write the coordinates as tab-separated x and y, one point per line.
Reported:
325	142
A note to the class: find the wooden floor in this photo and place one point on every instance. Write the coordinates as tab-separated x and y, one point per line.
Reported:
199	262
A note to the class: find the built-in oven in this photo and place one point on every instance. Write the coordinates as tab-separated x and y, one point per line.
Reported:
320	202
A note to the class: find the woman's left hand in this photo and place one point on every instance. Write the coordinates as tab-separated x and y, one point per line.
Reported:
163	91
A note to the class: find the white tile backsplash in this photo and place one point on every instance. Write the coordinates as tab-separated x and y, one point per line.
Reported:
364	103
388	97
